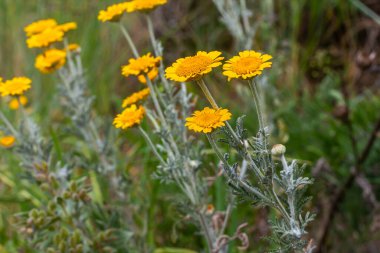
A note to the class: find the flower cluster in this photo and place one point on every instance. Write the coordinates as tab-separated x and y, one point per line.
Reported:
44	33
114	12
246	65
141	67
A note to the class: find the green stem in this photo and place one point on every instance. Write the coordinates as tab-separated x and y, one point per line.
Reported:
129	40
149	141
242	183
214	105
206	232
8	124
256	99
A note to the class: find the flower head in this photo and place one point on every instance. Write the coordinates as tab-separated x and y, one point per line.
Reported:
144	5
193	67
151	75
45	38
67	27
73	47
7	141
140	66
246	65
39	26
208	119
113	12
50	60
15	86
135	97
14	103
129	117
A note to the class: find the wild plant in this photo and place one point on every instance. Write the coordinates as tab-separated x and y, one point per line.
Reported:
259	181
179	154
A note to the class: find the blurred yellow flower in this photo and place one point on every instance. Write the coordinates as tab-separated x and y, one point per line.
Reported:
7	141
193	67
246	65
113	13
140	66
144	5
39	26
50	60
129	117
151	75
73	47
67	27
208	119
45	38
15	86
135	97
14	103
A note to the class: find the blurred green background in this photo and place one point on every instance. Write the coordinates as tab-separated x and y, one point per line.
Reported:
321	99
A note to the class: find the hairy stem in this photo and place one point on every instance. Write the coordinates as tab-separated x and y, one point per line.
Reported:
129	40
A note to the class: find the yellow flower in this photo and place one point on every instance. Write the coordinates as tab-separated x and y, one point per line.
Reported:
67	27
73	47
140	66
151	75
39	26
129	117
50	60
246	65
207	120
193	67
113	13
45	38
14	103
144	5
16	86
7	141
135	97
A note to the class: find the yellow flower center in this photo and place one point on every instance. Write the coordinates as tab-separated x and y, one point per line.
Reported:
208	119
246	65
193	65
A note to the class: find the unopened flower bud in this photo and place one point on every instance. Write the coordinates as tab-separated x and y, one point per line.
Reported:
278	150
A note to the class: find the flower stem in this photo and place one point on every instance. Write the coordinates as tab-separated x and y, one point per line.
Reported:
256	99
214	105
207	93
8	124
129	40
206	231
149	141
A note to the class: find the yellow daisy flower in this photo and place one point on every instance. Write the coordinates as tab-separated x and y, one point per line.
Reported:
144	5
14	103
208	119
7	141
39	26
45	38
50	60
113	13
246	65
135	97
151	75
129	117
67	27
193	67
140	66
15	86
